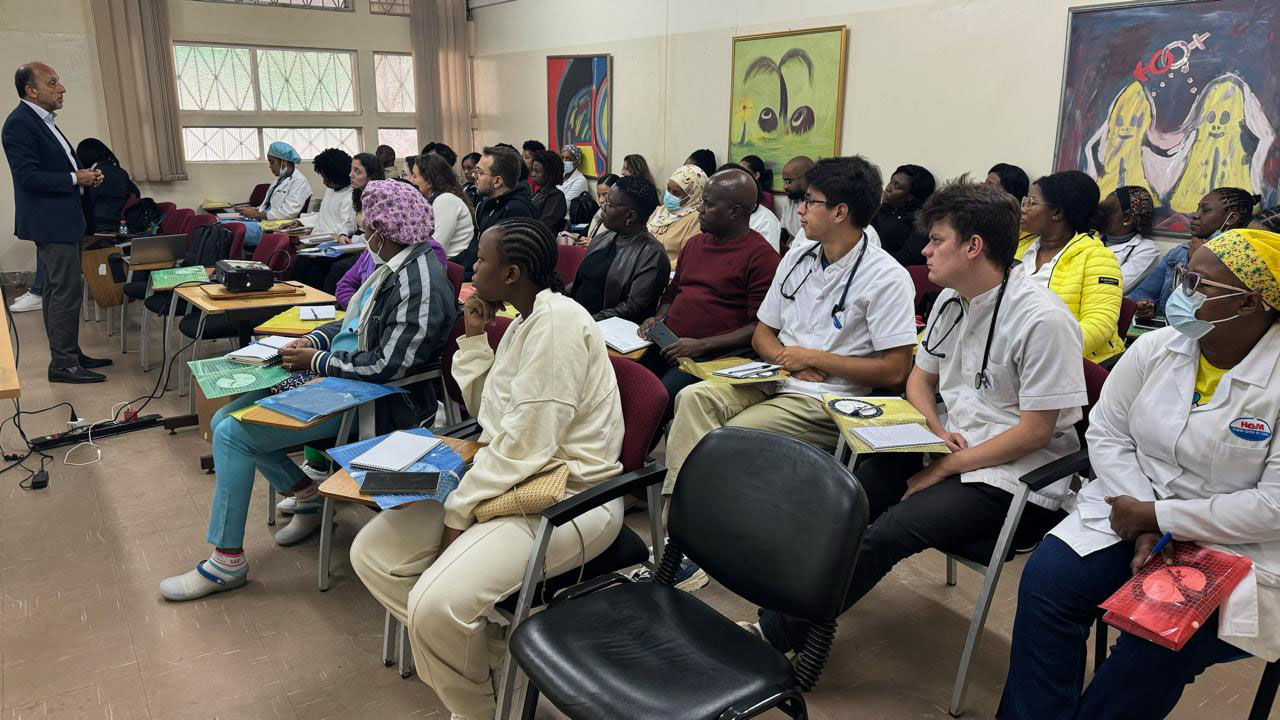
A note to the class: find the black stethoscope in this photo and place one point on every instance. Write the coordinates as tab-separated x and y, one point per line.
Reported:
812	252
982	379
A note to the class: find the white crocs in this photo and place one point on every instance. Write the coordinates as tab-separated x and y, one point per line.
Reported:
287	505
205	579
306	520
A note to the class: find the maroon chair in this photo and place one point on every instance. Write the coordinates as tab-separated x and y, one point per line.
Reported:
455	273
195	221
237	240
568	258
644	399
1127	310
495	331
128	203
275	251
259	194
920	278
175	221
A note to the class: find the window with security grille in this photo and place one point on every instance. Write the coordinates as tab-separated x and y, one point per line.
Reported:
214	79
403	140
393	76
306	80
389	7
212	144
309	142
312	4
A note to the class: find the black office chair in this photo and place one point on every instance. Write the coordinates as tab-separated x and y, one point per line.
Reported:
774	520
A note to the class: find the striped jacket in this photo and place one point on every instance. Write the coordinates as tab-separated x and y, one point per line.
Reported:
413	313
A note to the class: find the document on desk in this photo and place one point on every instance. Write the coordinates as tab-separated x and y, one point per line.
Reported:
229	216
325	396
440	459
396	452
882	437
262	351
333	249
317	312
620	334
219	377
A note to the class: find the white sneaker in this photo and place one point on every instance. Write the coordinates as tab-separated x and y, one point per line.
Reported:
27	302
305	520
287	505
205	579
314	473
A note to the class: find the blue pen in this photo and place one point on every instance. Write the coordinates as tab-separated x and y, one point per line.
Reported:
1163	542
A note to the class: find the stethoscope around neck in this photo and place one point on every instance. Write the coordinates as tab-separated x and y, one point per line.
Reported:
981	379
812	252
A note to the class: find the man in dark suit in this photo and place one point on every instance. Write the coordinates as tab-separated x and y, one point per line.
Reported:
47	188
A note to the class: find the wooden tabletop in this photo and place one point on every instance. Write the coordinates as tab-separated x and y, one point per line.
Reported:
341	486
196	295
260	415
9	387
633	355
160	265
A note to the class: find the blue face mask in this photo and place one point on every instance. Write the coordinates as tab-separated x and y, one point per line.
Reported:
568	167
1180	310
671	202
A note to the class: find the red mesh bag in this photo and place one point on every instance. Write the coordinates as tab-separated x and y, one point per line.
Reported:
1167	603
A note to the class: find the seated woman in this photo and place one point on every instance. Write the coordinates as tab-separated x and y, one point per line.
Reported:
573	183
546	397
337	217
704	159
1061	254
904	195
754	164
287	196
1010	178
455	216
676	219
636	166
596	225
549	202
104	203
1165	462
1268	220
1222	209
625	270
1124	217
469	163
396	326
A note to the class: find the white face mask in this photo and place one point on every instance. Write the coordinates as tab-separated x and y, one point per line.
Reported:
377	254
568	167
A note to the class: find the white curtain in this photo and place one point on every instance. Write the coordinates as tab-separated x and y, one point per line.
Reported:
442	72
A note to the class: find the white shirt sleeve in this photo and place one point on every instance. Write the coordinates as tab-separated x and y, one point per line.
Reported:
891	314
1138	263
766	223
453	223
336	213
1050	372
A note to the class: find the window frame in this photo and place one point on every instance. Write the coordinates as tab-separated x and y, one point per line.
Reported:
351	8
357	100
413	86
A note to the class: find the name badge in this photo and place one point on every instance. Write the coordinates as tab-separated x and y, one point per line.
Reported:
1251	429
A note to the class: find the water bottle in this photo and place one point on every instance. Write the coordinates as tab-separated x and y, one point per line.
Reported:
123	233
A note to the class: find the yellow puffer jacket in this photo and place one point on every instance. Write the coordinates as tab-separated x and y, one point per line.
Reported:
1087	278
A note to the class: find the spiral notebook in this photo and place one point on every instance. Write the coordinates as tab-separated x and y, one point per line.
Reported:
397	452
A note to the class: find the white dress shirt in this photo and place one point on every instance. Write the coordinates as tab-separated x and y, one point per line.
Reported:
766	223
336	216
878	315
1213	471
1045	273
869	236
48	118
454	226
1034	365
286	196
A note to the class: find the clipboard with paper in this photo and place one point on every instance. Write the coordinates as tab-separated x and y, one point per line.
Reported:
852	413
720	371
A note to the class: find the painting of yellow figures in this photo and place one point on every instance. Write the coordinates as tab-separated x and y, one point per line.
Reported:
1176	97
787	96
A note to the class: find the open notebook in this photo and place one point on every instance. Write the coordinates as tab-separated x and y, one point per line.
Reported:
395	453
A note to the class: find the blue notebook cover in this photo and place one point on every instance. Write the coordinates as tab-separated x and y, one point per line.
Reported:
441	459
325	396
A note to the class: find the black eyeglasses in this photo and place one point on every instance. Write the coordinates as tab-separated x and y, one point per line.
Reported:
810	202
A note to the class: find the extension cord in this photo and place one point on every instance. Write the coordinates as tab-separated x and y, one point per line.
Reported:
78	422
100	430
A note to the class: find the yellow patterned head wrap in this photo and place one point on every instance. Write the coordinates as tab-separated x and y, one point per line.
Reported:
1254	257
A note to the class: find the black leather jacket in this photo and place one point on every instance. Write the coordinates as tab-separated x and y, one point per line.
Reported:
637	277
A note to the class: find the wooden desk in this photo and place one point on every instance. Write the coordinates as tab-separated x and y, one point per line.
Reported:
342	487
141	266
259	415
195	295
633	355
104	290
9	387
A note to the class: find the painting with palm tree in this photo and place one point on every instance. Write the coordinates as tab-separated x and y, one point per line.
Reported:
787	95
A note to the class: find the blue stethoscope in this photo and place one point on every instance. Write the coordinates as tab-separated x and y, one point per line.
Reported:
812	252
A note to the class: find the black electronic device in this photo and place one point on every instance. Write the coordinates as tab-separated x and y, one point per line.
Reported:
244	275
400	483
662	335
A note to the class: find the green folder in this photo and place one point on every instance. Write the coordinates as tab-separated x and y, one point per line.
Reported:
170	278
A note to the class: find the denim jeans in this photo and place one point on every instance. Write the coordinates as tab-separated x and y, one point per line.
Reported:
37	283
1057	602
241	448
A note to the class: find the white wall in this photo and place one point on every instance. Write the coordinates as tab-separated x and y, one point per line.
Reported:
954	85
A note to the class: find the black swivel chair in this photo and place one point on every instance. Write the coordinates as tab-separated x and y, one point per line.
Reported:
770	517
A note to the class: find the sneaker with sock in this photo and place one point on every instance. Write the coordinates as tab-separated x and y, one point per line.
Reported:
27	302
689	578
306	518
220	573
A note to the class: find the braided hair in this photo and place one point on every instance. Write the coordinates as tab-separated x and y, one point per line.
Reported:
1239	201
530	246
1269	219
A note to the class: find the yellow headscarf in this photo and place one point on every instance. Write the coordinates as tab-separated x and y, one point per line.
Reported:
693	181
1254	257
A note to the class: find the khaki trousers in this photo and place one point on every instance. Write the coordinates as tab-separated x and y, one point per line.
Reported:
445	599
706	406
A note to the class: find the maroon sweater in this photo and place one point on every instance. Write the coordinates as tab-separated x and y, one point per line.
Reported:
719	285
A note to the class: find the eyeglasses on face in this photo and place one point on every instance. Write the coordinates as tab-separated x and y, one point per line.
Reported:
1029	202
809	202
1191	281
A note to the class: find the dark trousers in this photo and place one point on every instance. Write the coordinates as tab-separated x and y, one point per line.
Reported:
673	379
62	295
946	515
1057	603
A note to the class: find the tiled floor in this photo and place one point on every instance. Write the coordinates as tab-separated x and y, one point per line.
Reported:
86	635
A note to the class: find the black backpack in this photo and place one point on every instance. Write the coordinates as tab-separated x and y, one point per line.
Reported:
143	216
582	209
210	244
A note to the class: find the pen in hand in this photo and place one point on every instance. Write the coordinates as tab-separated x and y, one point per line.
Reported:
1160	545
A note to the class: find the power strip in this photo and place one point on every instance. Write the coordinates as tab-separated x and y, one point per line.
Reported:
101	430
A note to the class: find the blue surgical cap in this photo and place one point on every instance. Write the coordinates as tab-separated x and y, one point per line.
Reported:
284	151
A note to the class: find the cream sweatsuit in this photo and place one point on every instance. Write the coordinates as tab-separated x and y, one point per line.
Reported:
548	395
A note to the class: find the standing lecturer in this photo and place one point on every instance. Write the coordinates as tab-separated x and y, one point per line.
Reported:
47	187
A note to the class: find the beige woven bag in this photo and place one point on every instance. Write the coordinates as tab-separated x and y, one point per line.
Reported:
529	497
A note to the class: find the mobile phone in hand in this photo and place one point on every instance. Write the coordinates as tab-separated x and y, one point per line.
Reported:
662	336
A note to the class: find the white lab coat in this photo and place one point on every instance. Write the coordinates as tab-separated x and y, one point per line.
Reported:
287	197
766	223
1213	471
1136	256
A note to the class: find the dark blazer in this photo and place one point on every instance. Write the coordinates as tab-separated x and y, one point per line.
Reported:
47	204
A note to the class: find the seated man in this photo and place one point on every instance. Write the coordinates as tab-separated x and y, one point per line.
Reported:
794	186
838	317
1005	354
548	396
395	326
711	302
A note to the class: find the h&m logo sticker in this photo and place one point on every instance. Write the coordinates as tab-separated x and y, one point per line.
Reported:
1251	429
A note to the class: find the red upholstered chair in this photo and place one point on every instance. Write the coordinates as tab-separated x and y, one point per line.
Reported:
129	202
237	240
166	207
1127	310
194	222
175	221
455	273
920	278
453	393
275	251
568	258
259	194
